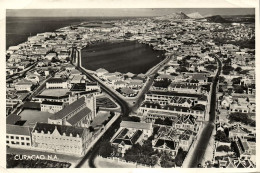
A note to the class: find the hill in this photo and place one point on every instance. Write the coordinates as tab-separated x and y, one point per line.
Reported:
173	16
216	19
195	15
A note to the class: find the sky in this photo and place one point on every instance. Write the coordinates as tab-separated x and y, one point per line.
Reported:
120	12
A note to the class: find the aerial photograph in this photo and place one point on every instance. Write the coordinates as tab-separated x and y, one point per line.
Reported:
130	88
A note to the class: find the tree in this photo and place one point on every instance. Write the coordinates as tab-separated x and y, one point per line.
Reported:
241	117
238	69
54	60
227	69
193	81
141	154
211	67
112	113
67	59
226	130
106	149
221	136
227	61
238	89
223	148
181	69
180	157
132	118
236	80
166	160
234	148
222	79
162	83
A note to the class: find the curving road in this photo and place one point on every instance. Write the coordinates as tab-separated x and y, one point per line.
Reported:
202	144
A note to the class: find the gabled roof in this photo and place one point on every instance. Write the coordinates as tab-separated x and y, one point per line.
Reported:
124	139
78	87
24	82
184	137
190	119
61	129
79	116
198	107
68	109
176	108
165	144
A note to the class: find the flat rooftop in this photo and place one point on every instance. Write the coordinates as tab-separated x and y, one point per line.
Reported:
33	116
54	92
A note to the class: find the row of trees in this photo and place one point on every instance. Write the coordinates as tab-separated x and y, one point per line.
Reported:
241	117
211	67
106	149
223	148
166	160
226	69
180	157
143	154
162	83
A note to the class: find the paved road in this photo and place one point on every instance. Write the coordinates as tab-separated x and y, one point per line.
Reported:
90	156
12	77
200	149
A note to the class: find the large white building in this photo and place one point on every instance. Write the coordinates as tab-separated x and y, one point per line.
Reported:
151	111
61	138
51	107
56	83
164	98
18	136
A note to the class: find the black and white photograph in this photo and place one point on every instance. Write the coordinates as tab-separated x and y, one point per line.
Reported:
130	87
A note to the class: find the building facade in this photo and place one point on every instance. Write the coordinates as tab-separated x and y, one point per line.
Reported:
61	138
18	136
51	107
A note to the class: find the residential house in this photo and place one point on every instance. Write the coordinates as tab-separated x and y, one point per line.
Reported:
131	133
23	85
